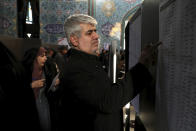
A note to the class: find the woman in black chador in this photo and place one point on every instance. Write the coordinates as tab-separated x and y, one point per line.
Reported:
40	72
18	108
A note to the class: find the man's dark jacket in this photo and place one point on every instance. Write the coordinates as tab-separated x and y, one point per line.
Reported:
90	101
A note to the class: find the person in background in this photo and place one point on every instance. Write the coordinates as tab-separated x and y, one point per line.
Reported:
104	58
40	74
63	49
90	101
18	107
57	56
50	52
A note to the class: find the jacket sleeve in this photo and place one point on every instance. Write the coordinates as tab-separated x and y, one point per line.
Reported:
95	88
141	77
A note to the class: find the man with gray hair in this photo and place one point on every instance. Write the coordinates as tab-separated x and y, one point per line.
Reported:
79	29
90	101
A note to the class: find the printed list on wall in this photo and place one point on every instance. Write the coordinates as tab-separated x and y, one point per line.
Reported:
176	75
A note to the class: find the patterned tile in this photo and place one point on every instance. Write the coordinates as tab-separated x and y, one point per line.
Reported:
54	12
8	18
52	16
118	11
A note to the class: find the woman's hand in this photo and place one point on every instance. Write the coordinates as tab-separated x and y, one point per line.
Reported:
38	83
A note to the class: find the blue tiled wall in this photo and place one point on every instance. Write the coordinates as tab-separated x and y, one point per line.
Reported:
52	16
54	12
8	17
110	12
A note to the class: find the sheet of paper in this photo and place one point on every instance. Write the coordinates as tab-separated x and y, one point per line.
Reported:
52	86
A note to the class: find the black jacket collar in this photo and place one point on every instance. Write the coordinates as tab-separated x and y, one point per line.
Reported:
82	54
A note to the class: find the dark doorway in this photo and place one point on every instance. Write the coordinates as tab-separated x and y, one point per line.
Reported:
28	18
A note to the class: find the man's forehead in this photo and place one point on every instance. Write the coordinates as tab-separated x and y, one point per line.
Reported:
87	27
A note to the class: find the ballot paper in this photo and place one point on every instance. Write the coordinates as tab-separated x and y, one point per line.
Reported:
52	86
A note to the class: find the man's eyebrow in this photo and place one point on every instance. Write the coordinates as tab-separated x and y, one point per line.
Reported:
90	31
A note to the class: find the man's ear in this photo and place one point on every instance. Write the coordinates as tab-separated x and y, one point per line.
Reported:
74	40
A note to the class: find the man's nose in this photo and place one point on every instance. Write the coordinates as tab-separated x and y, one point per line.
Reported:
95	35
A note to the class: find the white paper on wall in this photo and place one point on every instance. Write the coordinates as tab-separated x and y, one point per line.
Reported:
176	75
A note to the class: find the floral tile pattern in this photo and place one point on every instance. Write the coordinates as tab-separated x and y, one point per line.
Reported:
54	12
52	16
110	12
8	18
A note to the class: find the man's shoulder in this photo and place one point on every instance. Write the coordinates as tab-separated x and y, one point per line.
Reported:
75	62
80	60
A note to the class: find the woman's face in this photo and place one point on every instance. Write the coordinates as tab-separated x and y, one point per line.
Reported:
41	59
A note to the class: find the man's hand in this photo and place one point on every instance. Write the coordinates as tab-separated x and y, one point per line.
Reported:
148	54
